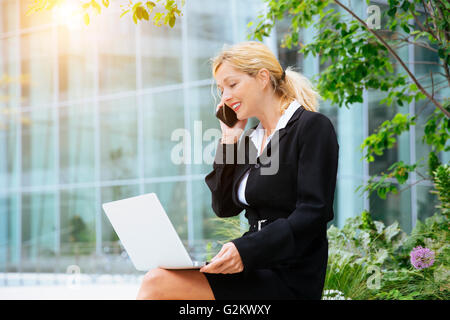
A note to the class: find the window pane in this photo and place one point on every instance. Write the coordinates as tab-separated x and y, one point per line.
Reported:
161	49
38	231
350	165
118	139
8	15
9	141
286	56
426	63
9	244
379	113
244	12
76	64
209	26
426	202
37	67
38	160
76	143
10	77
423	111
205	129
396	207
117	54
78	211
164	117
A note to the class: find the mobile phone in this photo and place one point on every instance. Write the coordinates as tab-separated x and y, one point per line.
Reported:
227	116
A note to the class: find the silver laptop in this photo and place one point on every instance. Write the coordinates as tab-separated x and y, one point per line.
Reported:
148	236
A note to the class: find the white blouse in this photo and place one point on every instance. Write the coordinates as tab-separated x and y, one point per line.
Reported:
257	136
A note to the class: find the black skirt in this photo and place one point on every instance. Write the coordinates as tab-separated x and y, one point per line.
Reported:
259	284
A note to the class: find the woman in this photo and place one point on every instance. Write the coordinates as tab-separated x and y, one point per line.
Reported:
283	174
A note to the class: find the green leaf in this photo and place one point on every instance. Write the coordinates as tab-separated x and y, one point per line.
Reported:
381	192
96	6
405	5
391	231
138	12
392	11
86	18
144	14
136	5
150	5
406	28
124	12
172	21
441	53
157	18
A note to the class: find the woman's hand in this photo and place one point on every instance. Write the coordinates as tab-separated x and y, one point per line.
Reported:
231	134
228	260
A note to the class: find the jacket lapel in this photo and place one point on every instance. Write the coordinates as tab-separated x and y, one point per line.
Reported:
273	144
247	156
248	152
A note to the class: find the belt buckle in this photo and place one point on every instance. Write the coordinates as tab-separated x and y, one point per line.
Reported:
259	223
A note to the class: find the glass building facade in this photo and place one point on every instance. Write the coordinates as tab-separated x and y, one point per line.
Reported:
91	114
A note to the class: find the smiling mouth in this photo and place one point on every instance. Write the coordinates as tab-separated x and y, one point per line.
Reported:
236	106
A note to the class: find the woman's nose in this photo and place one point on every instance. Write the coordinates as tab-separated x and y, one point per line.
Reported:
226	97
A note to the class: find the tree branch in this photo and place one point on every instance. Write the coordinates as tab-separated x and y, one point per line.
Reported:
433	20
421	26
402	63
409	186
419	44
440	88
422	108
422	176
446	34
426	62
435	84
429	29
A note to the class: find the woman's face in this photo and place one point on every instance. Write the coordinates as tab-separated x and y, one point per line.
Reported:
239	91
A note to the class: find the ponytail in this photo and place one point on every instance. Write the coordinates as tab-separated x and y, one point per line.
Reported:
297	86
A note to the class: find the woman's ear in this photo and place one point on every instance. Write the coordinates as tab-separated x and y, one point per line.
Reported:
263	77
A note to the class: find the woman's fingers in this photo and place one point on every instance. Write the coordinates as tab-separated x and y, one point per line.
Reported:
216	262
227	260
220	105
213	266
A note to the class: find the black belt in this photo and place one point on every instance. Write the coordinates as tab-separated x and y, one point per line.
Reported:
256	225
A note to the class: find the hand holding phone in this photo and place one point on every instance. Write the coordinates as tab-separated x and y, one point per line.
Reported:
227	116
231	126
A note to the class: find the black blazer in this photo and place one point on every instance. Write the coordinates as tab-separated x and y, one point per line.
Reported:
297	200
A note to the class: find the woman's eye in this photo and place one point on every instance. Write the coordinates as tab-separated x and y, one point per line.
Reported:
231	86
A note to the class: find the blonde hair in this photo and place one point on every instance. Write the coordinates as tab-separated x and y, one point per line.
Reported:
251	56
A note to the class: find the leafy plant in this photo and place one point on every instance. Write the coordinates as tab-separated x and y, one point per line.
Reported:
362	243
357	57
355	249
229	228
